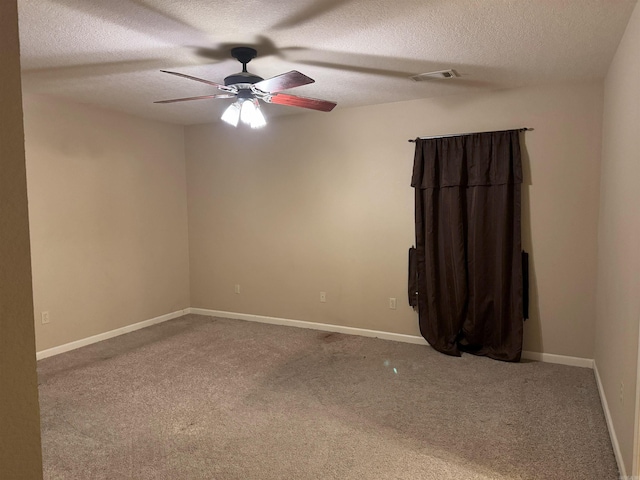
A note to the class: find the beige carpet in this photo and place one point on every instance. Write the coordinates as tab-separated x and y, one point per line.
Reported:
203	398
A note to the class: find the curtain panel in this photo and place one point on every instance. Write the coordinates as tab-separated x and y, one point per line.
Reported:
468	243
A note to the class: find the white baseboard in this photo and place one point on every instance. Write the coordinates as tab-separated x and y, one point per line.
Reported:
559	359
612	431
398	337
363	332
106	335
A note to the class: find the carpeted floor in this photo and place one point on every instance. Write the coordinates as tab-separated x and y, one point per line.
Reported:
204	398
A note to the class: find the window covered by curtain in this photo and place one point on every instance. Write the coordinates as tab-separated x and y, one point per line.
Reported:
468	248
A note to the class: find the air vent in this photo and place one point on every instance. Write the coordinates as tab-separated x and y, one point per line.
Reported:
423	77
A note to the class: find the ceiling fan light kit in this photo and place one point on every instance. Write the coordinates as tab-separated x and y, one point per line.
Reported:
249	89
247	110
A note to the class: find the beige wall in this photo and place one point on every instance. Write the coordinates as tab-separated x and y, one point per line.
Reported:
108	212
322	202
20	454
618	312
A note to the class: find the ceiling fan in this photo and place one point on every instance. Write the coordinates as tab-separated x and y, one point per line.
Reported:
249	89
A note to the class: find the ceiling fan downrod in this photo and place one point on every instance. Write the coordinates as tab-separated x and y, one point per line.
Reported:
243	79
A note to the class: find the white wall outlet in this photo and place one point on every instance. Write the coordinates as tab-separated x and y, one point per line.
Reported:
45	317
323	297
236	288
392	303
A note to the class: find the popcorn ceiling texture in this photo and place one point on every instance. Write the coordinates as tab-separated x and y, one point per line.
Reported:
360	52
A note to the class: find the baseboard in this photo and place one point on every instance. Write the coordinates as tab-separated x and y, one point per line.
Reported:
559	359
363	332
635	467
106	335
612	431
398	337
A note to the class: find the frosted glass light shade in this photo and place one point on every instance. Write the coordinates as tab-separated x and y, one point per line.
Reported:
232	114
258	120
246	110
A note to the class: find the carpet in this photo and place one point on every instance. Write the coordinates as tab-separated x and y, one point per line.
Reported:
211	398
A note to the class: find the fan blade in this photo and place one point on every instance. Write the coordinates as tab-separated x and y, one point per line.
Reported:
304	102
283	82
193	78
202	97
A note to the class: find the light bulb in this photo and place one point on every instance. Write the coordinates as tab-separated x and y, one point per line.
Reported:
232	114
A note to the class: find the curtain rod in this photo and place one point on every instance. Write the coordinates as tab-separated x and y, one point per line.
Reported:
523	129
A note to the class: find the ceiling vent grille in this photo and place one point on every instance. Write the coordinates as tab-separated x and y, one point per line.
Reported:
423	77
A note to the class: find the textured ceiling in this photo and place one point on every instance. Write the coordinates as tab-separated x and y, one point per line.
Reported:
360	52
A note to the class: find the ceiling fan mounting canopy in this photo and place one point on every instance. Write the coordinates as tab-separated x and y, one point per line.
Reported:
244	55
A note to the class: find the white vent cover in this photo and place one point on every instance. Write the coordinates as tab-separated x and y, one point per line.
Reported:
423	77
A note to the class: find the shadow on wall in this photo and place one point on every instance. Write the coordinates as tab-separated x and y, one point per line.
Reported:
532	327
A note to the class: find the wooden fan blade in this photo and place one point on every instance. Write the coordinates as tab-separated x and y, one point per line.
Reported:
201	97
193	78
304	102
283	82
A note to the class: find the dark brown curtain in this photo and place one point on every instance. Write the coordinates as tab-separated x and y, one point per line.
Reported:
468	248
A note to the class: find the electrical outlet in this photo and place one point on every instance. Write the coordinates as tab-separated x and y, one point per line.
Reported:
45	317
323	297
392	303
236	288
622	393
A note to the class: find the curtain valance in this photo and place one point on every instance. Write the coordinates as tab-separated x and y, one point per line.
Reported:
470	160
